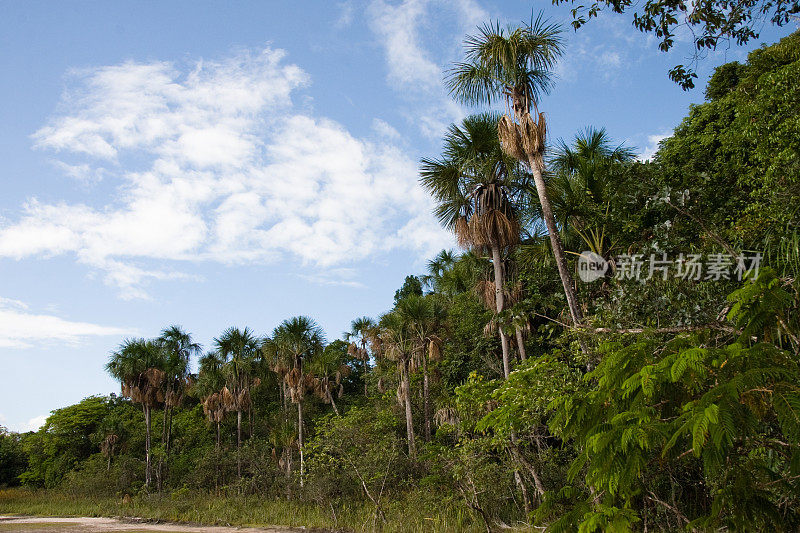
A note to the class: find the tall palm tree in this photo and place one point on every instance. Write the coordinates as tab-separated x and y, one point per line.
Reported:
239	349
437	268
138	365
423	316
210	388
179	349
361	330
516	63
328	369
479	191
399	342
279	362
299	339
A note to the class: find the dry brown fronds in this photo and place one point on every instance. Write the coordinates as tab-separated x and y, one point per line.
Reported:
485	291
228	399
510	140
402	392
447	415
293	377
490	329
434	351
463	233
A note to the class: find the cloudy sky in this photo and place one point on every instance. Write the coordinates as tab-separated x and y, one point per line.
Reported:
217	164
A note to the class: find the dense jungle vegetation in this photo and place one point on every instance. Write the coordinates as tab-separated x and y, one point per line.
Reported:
500	389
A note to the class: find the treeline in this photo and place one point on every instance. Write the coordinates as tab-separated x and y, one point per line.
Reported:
654	384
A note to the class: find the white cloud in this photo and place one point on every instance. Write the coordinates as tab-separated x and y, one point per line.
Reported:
415	68
346	10
652	146
31	425
610	60
386	130
399	27
344	277
34	424
21	328
214	163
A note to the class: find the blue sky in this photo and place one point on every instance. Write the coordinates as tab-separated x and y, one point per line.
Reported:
215	164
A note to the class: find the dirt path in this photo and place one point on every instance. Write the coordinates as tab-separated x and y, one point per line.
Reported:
29	524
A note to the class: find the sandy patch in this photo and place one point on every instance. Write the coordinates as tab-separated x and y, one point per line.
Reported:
29	524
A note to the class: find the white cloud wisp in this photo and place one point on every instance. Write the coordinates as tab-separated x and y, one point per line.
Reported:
214	163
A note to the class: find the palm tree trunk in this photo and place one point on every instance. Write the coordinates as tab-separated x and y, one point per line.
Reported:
283	400
521	345
555	243
499	282
333	404
426	408
300	438
412	447
168	446
147	474
218	435
239	443
160	471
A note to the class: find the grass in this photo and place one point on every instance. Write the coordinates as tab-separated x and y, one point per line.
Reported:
243	511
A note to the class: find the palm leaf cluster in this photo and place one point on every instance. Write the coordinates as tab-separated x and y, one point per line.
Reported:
477	187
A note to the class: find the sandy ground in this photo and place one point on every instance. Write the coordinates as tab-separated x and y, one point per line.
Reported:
103	525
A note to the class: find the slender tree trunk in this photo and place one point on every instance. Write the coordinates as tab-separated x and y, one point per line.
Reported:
412	447
426	407
499	282
283	400
218	435
555	243
333	404
239	443
169	445
300	439
521	345
147	473
526	502
160	471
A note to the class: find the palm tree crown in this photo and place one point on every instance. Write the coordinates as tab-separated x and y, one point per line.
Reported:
476	186
516	62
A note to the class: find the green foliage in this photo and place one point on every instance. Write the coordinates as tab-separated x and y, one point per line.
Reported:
358	456
712	23
13	460
727	408
412	286
521	402
725	79
63	442
734	162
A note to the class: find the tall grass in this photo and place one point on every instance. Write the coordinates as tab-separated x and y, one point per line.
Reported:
410	515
